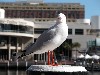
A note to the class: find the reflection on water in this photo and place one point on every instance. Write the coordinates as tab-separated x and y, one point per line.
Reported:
23	72
16	72
13	72
94	73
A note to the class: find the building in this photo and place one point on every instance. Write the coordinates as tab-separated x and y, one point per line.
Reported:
84	31
43	11
30	1
2	13
22	32
15	35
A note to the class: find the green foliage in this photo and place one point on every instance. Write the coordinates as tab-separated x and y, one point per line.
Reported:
76	45
66	45
70	46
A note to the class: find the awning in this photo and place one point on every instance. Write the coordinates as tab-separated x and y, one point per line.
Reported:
95	57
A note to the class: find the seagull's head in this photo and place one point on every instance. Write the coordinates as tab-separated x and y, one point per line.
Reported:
61	18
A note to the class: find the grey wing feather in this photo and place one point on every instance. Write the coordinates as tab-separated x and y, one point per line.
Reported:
47	35
43	38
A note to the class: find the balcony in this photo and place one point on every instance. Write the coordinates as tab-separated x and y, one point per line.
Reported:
17	33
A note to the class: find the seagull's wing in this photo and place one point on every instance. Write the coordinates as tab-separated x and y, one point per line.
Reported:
46	36
43	40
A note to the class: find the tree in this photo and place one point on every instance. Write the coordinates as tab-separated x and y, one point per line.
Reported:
76	45
67	46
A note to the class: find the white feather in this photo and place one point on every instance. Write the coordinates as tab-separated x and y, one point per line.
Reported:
52	38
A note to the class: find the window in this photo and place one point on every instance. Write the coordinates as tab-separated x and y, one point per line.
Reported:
39	31
3	40
69	31
35	40
13	41
73	8
79	31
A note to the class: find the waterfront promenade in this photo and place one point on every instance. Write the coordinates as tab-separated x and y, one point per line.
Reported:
18	64
26	64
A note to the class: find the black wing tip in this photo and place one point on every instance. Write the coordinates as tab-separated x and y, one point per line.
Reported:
16	55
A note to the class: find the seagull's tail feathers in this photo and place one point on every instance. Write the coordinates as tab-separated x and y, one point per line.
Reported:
18	55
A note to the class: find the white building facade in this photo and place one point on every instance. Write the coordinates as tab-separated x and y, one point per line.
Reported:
79	31
17	34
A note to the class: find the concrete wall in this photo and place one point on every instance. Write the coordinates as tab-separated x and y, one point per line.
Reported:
2	13
82	39
95	22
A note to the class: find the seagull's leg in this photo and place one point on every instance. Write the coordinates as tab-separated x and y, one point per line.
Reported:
53	60
49	57
56	63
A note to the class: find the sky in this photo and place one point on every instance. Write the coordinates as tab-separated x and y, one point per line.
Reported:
92	7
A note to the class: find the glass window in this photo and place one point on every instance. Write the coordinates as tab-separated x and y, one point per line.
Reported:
16	28
39	31
35	40
69	31
79	31
13	41
3	40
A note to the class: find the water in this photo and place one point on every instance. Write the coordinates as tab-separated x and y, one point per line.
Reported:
13	72
94	73
23	72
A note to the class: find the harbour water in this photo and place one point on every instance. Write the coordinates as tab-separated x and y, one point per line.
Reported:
13	72
23	72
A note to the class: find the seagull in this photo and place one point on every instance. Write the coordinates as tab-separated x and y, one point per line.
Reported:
49	39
